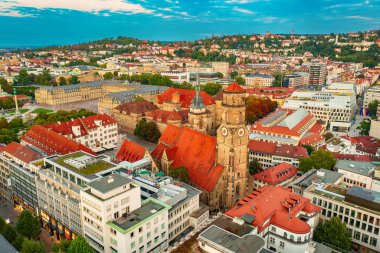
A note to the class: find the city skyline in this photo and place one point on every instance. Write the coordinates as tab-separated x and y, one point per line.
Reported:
41	22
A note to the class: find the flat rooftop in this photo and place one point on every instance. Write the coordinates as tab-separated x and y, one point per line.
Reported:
150	207
358	167
109	183
87	171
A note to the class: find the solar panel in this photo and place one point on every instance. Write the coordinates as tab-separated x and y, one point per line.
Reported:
248	218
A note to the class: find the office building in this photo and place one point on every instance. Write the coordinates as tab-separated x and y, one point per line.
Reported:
296	80
258	80
317	74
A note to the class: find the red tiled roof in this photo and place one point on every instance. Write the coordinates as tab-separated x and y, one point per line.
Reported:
138	107
51	142
89	121
193	150
366	144
277	204
277	149
185	97
130	152
311	139
165	116
276	174
234	87
21	152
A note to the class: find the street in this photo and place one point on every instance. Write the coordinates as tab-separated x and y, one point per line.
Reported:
8	212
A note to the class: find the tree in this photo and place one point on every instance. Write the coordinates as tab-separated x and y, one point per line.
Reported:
240	80
220	75
333	232
17	243
2	224
148	131
16	123
8	135
317	160
364	127
108	76
28	225
23	77
180	173
309	149
9	233
29	246
62	246
3	123
62	81
212	88
256	108
3	84
44	78
233	74
372	107
328	136
79	245
73	80
254	166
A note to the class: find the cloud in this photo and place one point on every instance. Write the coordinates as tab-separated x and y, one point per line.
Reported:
267	20
358	17
336	6
15	14
241	10
90	6
242	1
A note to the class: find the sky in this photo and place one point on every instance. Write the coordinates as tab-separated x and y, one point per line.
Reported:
58	22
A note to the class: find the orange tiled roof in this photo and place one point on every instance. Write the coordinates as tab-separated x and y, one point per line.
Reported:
165	116
278	205
137	107
193	150
51	142
185	97
276	174
277	149
130	151
234	87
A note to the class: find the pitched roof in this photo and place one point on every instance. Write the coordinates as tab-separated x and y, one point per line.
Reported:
277	149
366	144
234	87
137	107
276	174
130	151
185	97
193	150
165	116
91	121
51	142
278	205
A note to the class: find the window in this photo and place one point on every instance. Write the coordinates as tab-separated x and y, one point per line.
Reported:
148	225
155	230
113	231
116	204
132	234
272	240
282	244
132	244
162	225
116	215
141	239
140	229
155	220
273	229
148	235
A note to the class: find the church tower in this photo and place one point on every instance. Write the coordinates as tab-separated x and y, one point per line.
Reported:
232	145
198	116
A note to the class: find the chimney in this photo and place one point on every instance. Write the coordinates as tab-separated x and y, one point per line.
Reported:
110	180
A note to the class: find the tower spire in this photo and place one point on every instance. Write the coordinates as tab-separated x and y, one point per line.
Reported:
197	100
16	102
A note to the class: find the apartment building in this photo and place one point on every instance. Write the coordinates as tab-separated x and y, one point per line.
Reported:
359	173
186	211
59	181
177	76
372	94
269	154
335	109
279	175
317	74
289	127
104	200
15	159
97	132
258	80
285	220
356	206
221	67
296	80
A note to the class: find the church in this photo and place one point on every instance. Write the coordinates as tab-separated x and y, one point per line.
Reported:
216	165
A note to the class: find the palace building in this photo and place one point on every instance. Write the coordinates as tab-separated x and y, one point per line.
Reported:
216	165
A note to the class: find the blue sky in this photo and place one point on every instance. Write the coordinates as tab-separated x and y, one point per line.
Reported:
46	22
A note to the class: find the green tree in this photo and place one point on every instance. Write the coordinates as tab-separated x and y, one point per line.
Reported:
73	80
28	225
108	76
17	243
9	233
8	135
254	166
3	84
17	123
309	149
372	107
79	245
29	246
180	173
333	232
23	77
2	224
148	131
233	74
62	81
317	160
220	75
364	127
62	246
240	80
212	88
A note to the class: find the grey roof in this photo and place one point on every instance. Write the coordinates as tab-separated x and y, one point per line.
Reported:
364	193
292	120
321	248
362	168
5	246
311	176
109	183
260	75
94	84
247	244
129	95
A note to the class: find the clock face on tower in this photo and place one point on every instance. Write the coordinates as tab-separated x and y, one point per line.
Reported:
224	131
241	132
